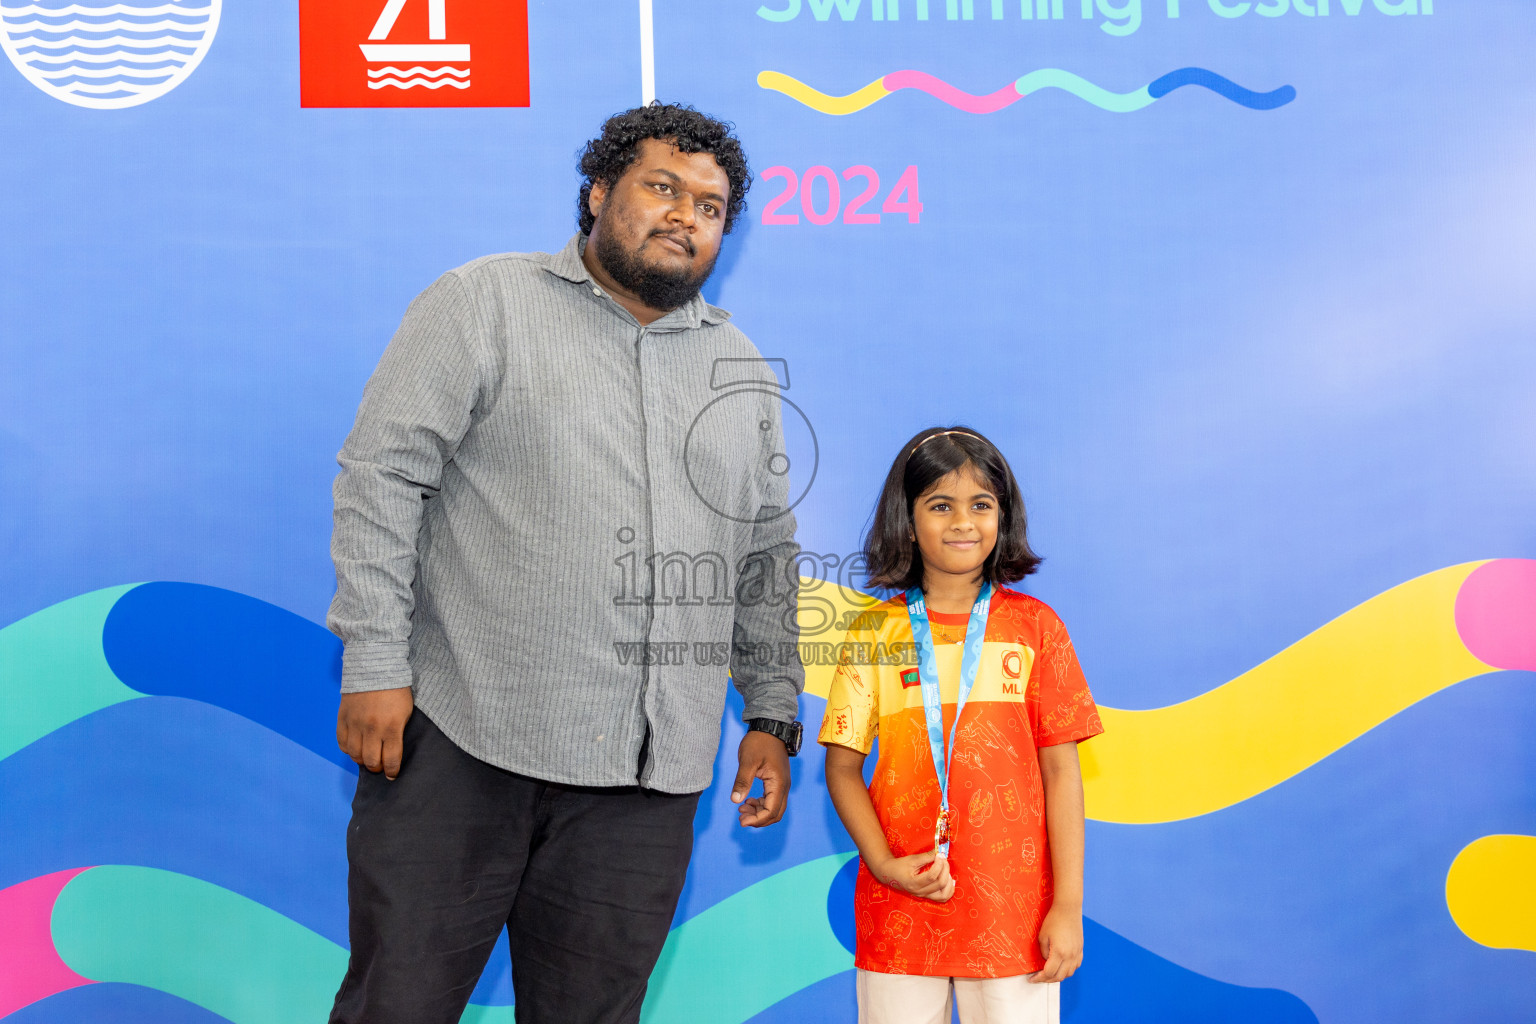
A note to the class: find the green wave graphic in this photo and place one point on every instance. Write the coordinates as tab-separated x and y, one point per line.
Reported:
1055	78
251	965
53	670
712	970
200	942
197	941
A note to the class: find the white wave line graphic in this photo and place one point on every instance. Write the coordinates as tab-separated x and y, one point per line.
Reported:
75	42
94	60
188	23
12	17
412	83
119	71
20	31
54	61
106	24
426	72
115	85
104	90
11	12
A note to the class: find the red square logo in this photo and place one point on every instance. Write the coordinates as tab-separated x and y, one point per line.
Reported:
413	53
909	677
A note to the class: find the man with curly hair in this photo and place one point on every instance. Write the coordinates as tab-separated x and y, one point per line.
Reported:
525	567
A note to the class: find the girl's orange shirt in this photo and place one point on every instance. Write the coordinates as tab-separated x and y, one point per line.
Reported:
1029	693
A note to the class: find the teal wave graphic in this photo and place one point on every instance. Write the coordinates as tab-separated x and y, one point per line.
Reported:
251	965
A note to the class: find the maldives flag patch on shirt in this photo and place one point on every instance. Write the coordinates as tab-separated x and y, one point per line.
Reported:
909	677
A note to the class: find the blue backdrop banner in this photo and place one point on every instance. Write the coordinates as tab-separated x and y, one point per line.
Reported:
1246	291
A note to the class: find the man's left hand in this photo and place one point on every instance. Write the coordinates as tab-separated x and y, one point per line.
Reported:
761	756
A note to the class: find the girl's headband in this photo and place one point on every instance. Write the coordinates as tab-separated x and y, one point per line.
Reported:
941	433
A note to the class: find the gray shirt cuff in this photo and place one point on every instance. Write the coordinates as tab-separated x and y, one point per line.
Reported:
777	702
375	665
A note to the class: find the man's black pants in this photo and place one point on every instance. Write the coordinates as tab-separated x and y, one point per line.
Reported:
585	879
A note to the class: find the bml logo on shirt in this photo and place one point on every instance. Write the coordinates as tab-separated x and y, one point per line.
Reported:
413	53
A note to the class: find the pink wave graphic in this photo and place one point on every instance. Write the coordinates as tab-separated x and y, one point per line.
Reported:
942	90
33	969
1496	613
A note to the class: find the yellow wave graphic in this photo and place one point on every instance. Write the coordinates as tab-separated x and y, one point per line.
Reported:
1491	891
798	90
1273	721
1284	715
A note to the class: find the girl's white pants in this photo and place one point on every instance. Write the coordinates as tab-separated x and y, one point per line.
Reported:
919	999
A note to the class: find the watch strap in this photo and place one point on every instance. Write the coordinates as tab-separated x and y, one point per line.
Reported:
787	732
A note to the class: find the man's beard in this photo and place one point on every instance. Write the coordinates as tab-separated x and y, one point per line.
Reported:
657	287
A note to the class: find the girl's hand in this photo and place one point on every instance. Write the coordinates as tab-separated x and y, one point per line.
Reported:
925	875
1061	943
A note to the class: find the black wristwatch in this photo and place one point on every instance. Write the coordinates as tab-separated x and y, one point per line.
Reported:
789	732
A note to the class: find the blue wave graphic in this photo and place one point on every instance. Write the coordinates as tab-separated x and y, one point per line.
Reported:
141	19
180	785
253	796
97	51
43	36
114	1002
137	65
108	80
154	782
44	11
1223	87
1335	880
249	657
1119	981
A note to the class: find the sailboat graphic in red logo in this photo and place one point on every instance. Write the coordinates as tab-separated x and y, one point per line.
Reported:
413	53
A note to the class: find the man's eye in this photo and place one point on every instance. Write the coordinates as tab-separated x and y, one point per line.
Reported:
708	208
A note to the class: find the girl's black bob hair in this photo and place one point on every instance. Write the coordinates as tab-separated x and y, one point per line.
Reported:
892	556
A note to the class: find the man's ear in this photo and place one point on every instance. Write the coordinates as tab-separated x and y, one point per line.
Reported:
596	197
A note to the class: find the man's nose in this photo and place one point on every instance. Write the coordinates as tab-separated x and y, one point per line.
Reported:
682	211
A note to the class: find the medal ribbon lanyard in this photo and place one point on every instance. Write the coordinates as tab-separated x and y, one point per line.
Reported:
933	708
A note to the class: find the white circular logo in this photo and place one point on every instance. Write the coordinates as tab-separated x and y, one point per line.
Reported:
107	55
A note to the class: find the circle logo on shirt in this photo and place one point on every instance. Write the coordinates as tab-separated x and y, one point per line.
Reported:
743	383
107	56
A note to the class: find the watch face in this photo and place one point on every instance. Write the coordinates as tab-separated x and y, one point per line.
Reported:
787	732
792	741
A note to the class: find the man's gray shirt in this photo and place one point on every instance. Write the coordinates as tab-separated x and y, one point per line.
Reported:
524	454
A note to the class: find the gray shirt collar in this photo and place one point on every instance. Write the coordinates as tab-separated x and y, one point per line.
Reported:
567	264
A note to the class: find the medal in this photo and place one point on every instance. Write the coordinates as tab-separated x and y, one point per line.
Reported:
933	707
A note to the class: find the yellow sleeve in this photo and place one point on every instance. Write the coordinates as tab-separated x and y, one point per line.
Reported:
852	717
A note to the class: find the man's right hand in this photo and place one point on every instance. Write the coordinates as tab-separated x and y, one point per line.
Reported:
370	728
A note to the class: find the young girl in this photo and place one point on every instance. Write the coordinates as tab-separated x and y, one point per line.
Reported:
971	834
